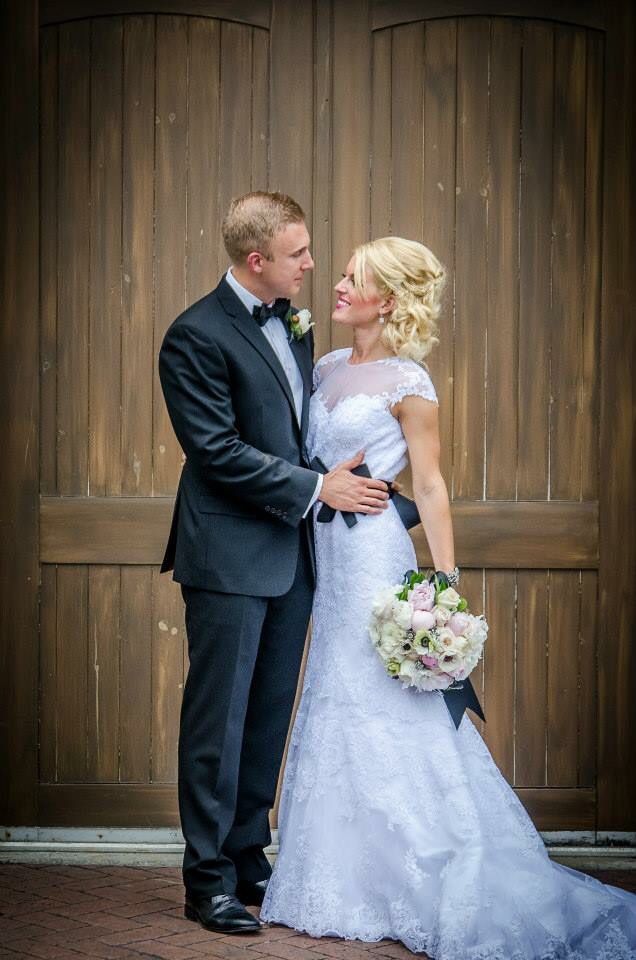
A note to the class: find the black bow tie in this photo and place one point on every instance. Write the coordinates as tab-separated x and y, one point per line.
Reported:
263	313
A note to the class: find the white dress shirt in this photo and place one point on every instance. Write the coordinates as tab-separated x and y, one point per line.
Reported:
274	331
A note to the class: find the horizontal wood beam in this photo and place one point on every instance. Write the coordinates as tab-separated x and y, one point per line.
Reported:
495	534
256	13
155	805
582	13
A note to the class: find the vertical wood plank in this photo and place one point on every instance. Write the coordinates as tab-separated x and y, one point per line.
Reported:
138	360
531	679
73	258
503	264
322	281
48	259
440	137
48	736
168	632
235	127
352	137
135	674
105	257
170	226
617	573
535	242
204	217
72	600
260	108
407	86
472	587
587	669
590	374
473	40
381	130
563	644
499	668
291	115
567	262
103	673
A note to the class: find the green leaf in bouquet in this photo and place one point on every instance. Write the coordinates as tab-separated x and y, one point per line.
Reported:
462	605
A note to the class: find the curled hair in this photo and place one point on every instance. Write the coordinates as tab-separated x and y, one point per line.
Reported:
253	220
414	277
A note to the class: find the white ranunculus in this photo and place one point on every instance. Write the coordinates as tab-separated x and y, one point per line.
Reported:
402	614
303	318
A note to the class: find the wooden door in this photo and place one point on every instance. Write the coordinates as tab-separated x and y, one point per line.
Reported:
501	135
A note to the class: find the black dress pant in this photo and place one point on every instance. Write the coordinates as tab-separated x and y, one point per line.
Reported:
245	657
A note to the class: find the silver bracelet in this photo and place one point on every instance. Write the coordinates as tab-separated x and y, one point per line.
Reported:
453	576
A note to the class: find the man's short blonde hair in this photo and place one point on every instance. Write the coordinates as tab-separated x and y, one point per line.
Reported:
254	219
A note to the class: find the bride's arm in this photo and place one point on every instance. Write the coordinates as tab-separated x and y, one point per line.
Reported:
419	421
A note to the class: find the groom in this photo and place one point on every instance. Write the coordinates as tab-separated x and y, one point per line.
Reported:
236	375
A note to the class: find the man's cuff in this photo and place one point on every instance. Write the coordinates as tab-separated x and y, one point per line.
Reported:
315	495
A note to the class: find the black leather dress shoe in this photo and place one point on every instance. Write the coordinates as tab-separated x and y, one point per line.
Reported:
252	893
223	914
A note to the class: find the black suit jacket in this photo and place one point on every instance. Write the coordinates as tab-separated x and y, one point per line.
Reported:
245	484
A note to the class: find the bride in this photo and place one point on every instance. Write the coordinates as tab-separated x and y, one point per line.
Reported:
393	824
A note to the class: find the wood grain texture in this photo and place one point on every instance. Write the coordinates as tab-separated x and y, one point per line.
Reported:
19	429
168	639
103	672
352	138
388	13
473	44
502	255
255	12
48	259
71	678
323	279
563	660
438	195
531	705
47	725
535	261
171	127
105	288
381	133
137	357
135	659
73	259
407	130
568	208
617	573
204	173
499	669
500	534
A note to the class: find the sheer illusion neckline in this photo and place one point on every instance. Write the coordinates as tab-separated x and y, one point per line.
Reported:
367	363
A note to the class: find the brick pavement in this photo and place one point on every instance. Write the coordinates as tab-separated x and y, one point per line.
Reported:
136	913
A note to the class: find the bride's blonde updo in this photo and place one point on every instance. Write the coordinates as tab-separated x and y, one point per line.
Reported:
409	272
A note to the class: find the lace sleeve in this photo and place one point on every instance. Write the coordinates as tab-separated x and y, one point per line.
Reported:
414	381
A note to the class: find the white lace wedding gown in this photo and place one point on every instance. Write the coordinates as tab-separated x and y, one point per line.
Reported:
392	823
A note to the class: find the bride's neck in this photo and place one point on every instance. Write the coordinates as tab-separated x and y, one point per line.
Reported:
368	346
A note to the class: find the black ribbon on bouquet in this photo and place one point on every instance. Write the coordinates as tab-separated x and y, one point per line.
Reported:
405	507
461	695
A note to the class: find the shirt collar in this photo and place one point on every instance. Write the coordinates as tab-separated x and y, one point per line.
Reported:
248	299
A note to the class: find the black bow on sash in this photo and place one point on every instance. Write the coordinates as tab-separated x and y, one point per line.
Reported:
461	695
263	313
405	507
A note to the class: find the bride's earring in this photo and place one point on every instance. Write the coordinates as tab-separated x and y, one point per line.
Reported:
380	319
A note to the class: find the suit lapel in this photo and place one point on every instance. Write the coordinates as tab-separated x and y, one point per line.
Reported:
250	330
302	356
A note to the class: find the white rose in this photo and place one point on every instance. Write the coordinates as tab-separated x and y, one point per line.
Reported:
402	614
304	321
448	598
383	602
442	615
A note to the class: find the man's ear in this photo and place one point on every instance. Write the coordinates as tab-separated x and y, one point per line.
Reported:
254	261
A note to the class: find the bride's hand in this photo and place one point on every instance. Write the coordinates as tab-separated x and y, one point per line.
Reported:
343	490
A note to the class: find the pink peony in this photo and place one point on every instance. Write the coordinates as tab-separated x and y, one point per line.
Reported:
422	620
458	623
422	596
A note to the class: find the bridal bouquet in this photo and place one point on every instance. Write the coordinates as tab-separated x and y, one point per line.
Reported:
425	633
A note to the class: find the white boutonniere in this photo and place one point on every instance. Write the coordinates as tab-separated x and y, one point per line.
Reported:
299	324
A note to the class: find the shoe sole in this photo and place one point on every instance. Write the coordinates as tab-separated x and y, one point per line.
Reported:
190	914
